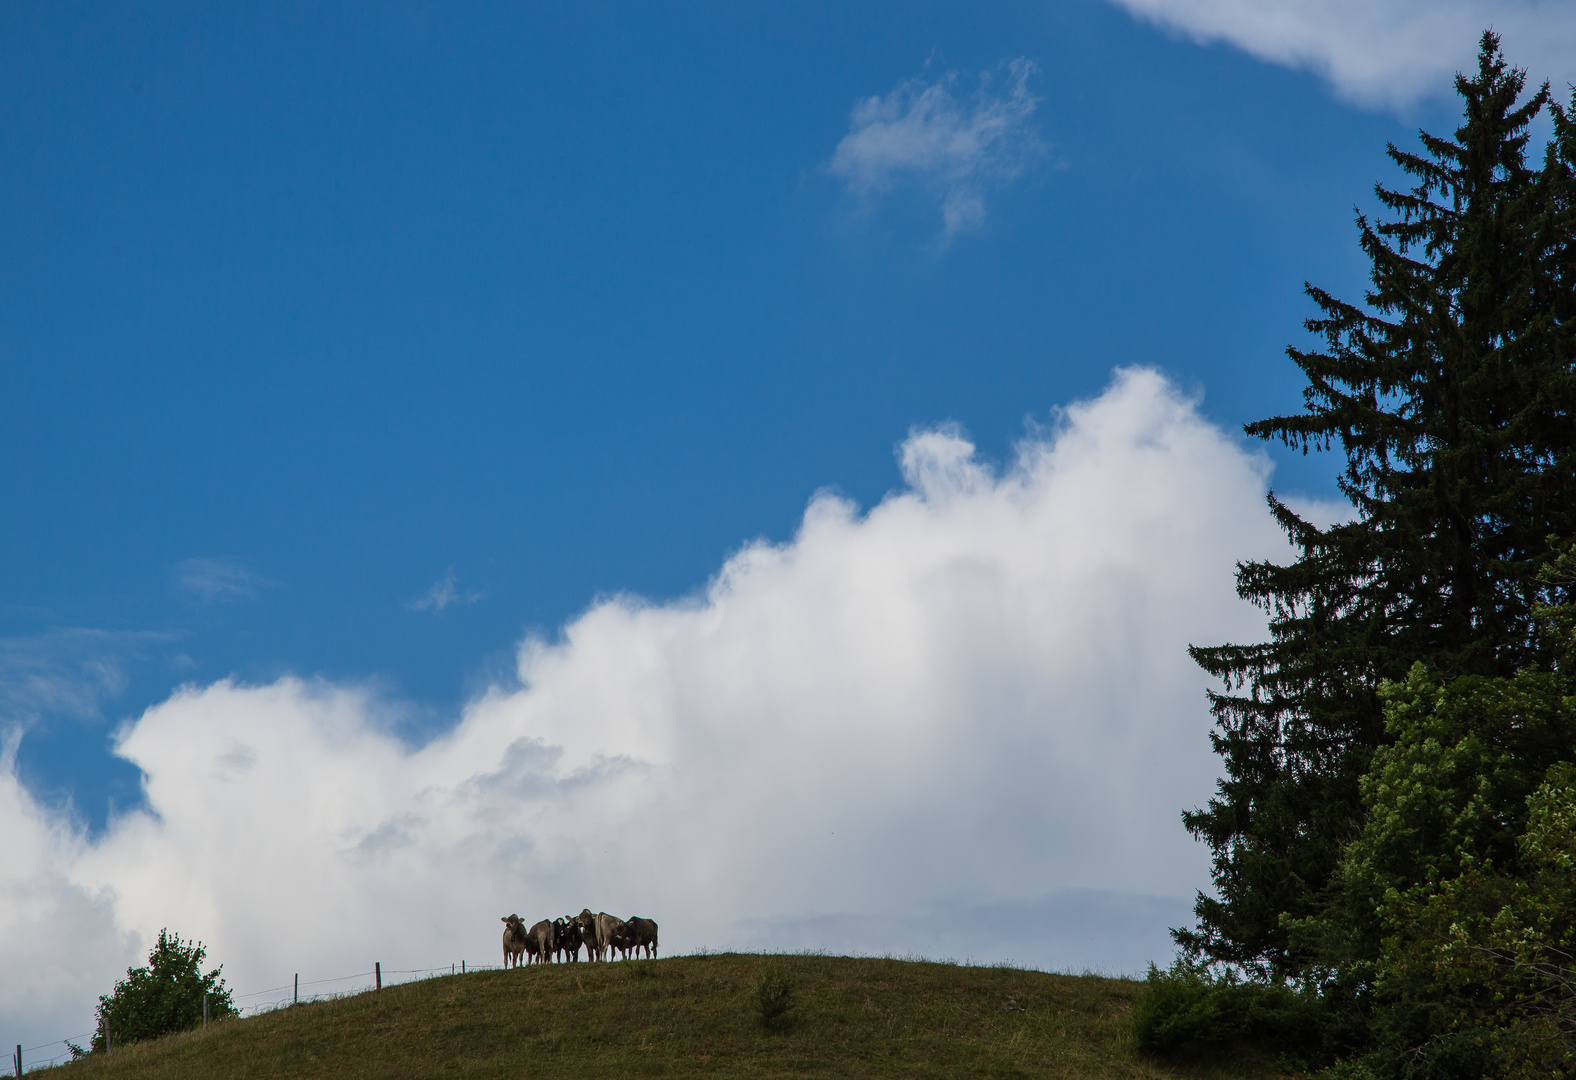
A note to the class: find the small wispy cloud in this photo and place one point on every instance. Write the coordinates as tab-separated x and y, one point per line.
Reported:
215	578
66	672
955	146
444	593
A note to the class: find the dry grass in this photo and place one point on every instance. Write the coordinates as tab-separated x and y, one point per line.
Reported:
683	1016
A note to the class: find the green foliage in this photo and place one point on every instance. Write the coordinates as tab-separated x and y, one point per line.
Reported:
774	997
164	997
1456	904
1503	947
1187	1014
1450	392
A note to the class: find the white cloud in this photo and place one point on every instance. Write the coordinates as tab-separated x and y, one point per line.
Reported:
442	594
962	723
922	133
1380	52
210	579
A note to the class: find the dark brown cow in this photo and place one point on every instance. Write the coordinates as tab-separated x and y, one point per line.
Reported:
569	936
642	933
513	940
587	923
541	938
621	941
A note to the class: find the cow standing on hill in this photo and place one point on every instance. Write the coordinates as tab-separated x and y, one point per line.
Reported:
587	923
620	940
642	933
513	940
607	927
542	938
570	939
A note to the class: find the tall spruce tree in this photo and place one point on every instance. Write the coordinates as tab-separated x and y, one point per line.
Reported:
1452	393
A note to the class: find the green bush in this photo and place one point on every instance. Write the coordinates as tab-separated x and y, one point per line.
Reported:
164	997
1180	1013
774	996
1185	1013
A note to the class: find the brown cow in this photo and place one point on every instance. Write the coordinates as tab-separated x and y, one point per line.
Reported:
606	926
513	940
541	937
587	923
620	941
642	933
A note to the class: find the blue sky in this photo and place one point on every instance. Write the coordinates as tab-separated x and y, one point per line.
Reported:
561	302
362	345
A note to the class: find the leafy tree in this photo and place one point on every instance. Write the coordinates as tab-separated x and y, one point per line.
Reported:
164	997
1451	394
1456	904
1446	944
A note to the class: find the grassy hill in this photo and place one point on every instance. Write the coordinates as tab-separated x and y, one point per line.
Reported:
681	1016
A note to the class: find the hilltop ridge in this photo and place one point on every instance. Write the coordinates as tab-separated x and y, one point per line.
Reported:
682	1016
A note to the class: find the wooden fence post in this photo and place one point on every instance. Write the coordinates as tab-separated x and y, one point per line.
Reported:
377	970
297	999
205	1010
19	1059
462	967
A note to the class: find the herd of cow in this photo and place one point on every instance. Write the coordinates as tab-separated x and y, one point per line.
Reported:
551	939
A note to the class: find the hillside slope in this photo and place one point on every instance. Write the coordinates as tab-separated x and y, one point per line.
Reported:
681	1016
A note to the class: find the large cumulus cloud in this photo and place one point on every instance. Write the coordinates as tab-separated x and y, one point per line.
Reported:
961	723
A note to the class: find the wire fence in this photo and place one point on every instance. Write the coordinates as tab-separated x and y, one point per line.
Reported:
29	1058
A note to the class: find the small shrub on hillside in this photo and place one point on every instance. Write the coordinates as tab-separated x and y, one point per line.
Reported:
1180	1014
164	997
1185	1013
774	996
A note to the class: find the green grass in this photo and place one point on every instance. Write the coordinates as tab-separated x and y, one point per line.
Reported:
683	1016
